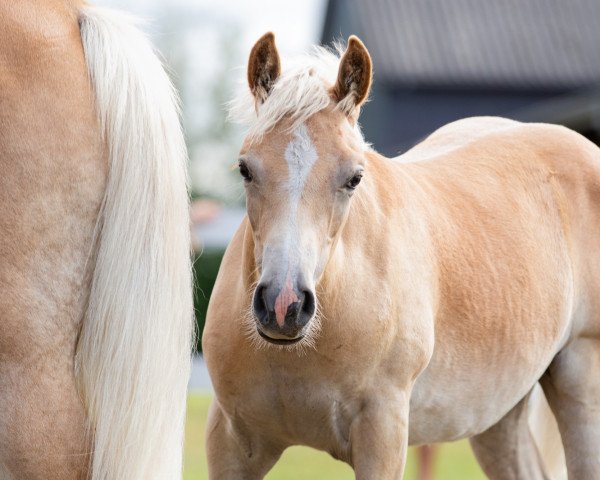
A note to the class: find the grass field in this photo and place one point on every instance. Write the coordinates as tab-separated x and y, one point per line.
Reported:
454	460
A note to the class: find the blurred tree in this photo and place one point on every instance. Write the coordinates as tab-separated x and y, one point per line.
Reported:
202	51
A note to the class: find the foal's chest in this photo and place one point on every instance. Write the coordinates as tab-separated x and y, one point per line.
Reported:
299	410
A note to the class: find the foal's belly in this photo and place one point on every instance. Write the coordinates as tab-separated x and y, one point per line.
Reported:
464	392
497	330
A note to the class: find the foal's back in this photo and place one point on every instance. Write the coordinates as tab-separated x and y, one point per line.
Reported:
566	163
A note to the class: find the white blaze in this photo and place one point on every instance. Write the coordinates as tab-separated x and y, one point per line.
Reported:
300	155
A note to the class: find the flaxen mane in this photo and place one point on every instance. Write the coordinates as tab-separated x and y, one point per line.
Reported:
302	90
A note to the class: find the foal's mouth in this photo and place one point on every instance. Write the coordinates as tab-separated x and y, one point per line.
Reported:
279	341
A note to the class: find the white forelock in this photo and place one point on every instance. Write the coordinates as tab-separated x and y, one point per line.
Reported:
302	89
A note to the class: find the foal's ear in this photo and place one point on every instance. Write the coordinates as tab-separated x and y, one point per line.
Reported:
354	76
263	67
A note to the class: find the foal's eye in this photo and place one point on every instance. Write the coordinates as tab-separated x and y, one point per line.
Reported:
354	181
245	172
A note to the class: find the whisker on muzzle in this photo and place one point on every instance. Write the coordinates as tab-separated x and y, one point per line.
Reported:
301	348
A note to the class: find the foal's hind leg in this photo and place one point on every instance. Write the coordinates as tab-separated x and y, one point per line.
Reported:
506	451
572	387
235	453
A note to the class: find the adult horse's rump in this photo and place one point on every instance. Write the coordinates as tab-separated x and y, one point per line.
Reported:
95	301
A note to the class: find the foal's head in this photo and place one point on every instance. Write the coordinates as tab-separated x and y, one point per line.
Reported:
302	161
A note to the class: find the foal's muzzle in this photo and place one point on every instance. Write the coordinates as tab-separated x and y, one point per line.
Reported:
282	313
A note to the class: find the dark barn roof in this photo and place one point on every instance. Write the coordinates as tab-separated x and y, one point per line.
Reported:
513	44
439	60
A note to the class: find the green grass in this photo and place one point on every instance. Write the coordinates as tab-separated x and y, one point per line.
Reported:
454	461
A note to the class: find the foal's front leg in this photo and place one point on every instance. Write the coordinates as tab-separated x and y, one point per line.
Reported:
379	437
235	453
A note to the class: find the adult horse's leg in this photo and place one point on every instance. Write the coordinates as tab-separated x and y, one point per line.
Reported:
234	452
426	456
507	451
572	387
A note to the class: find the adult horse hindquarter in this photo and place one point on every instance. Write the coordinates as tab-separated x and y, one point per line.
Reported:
437	287
95	297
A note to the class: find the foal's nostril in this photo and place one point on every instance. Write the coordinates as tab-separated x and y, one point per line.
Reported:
307	310
269	302
309	303
260	305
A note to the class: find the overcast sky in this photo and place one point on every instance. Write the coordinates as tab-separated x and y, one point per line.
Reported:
204	42
296	24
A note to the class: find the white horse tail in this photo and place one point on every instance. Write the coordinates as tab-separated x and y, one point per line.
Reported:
133	356
544	429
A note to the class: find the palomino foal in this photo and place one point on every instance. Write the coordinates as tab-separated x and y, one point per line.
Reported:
368	303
